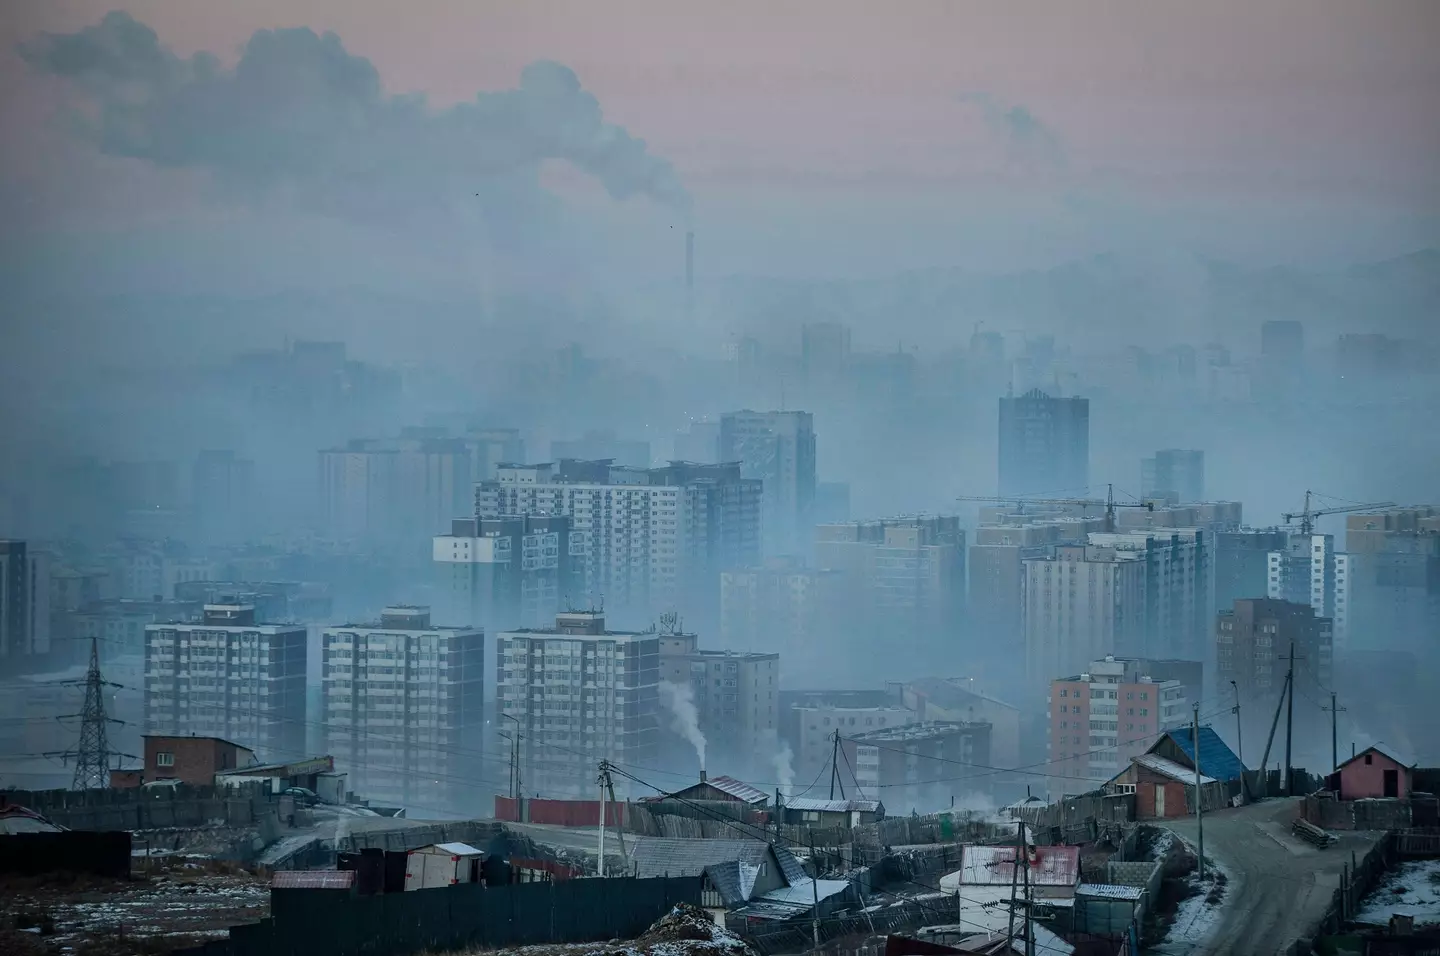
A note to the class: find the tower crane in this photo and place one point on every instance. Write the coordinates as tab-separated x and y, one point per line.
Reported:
1308	515
1110	503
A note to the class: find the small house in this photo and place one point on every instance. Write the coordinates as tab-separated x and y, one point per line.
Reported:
1160	786
987	874
831	813
1377	771
733	872
721	789
442	864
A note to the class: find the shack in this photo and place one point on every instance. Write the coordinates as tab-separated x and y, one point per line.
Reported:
443	864
831	813
1378	771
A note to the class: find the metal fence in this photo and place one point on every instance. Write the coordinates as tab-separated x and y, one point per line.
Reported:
337	923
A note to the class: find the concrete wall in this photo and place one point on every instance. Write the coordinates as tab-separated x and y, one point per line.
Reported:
139	809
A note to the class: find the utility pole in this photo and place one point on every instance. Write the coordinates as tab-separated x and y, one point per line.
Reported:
1014	877
1289	721
519	790
1239	740
1334	740
1270	740
604	774
835	767
1025	861
815	896
1199	815
620	827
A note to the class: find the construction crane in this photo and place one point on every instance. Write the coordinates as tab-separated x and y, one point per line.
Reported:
1308	515
1110	503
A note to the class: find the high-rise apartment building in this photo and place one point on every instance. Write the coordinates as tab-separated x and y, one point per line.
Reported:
403	707
1242	564
737	696
1176	589
578	694
1392	571
1044	445
781	604
1309	570
1105	715
229	676
222	496
1081	602
507	572
1174	474
649	539
1252	645
905	577
406	489
603	445
817	721
779	449
24	599
824	350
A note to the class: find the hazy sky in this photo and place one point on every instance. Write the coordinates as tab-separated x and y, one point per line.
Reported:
832	137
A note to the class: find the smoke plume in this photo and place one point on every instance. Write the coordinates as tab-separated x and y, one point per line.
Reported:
785	768
680	698
301	118
1029	143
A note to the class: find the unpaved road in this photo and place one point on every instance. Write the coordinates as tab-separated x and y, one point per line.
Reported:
1279	884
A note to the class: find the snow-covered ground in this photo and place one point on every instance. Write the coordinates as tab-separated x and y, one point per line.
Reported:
1197	914
1411	889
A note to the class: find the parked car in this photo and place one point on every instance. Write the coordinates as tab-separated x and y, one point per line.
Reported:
304	797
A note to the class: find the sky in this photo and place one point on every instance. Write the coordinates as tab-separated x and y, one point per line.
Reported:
817	138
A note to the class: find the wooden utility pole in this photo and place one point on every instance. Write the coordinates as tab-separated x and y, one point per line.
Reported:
1290	722
1239	741
604	773
1270	740
1014	877
1025	858
1199	793
835	767
1334	735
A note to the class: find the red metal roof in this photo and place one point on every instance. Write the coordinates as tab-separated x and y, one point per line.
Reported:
313	880
1049	865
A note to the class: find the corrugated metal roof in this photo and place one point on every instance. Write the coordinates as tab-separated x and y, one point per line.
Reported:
738	789
1216	759
803	894
993	865
1110	891
313	879
459	849
661	856
1171	769
811	804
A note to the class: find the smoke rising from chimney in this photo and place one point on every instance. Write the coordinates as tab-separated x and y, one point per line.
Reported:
680	699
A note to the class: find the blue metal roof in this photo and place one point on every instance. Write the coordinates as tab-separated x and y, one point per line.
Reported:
1216	759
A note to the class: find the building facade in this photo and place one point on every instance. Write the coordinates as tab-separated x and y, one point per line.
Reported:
817	722
1392	568
1253	639
24	600
1309	570
1105	715
1044	445
403	706
229	676
781	604
1081	602
1174	474
778	448
648	538
578	694
506	572
736	693
904	763
1176	598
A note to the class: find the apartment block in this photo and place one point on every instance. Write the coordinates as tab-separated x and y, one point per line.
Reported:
995	565
906	765
1044	445
1081	602
1309	570
1252	645
577	694
818	720
778	448
509	571
1177	584
1173	474
24	600
228	675
1100	718
648	538
737	695
782	604
1392	571
403	705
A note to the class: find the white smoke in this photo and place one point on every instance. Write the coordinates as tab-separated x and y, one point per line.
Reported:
681	701
782	758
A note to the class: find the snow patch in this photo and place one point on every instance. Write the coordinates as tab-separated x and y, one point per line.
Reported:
1411	889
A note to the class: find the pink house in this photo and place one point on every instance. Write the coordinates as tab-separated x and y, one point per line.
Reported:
1376	771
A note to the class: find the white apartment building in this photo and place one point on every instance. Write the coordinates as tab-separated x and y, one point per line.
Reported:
403	705
819	722
1310	571
578	694
737	695
228	676
1177	589
1080	602
649	538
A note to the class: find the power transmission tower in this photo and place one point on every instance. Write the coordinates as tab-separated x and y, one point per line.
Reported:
92	755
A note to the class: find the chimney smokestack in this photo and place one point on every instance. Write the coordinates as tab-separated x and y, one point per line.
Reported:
702	774
689	262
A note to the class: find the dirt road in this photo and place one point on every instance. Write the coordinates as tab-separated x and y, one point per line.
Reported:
1279	885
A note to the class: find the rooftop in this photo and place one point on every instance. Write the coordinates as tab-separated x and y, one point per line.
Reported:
815	805
1171	769
922	730
994	865
1384	749
1110	891
1216	758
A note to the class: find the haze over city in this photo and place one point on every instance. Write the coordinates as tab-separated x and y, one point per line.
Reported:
739	392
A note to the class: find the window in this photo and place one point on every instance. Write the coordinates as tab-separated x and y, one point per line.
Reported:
1066	693
168	759
1367	759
